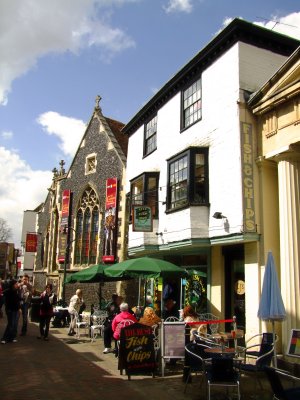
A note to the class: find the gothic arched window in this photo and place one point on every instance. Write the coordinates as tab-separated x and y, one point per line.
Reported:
87	228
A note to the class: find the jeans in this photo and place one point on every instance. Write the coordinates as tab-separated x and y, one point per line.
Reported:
10	332
24	309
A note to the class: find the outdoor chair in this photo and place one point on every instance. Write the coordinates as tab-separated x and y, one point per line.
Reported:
211	327
258	345
82	322
280	392
172	319
194	361
207	340
257	366
222	372
156	339
98	319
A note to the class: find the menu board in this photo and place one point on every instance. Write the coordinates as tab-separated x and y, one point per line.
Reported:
173	339
294	343
136	351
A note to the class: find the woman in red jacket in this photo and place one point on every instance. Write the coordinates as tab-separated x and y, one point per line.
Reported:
119	321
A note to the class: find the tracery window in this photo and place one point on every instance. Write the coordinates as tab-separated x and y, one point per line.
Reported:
87	228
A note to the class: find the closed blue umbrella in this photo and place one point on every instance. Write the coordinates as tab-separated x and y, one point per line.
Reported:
271	307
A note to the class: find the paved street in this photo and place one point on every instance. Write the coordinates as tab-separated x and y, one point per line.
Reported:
67	369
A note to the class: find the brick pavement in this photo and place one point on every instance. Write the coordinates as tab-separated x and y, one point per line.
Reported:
69	369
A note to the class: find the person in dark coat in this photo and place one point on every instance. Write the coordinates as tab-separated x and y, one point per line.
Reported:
112	309
12	301
48	300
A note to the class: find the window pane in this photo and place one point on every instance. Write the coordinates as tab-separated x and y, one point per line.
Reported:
94	236
192	103
178	182
144	191
78	242
199	184
189	184
150	136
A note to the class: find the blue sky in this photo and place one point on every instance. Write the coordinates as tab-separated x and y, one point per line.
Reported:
58	55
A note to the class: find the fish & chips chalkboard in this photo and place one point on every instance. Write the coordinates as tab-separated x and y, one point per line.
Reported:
136	351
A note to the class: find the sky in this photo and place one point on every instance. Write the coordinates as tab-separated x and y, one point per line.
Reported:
57	56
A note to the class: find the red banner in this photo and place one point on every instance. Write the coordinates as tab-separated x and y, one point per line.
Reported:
65	208
110	218
31	242
111	193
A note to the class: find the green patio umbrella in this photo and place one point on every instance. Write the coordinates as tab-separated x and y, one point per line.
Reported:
95	273
145	267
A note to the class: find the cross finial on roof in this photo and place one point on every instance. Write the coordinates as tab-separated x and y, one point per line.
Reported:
62	170
97	101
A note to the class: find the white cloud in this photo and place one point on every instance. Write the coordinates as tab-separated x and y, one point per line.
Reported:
30	29
6	135
68	130
21	189
288	25
179	6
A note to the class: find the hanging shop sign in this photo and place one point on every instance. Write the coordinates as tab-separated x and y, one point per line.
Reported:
142	219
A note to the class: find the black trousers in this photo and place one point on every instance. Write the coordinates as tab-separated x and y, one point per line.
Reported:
44	325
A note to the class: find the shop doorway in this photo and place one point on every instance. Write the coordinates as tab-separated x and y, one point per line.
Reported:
234	265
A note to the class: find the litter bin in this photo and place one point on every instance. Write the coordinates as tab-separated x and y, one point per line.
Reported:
35	309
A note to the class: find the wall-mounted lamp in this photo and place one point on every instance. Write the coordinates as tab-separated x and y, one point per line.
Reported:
218	215
158	233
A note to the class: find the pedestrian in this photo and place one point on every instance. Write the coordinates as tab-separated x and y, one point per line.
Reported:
124	315
76	303
189	315
112	309
170	309
26	295
47	301
12	301
149	318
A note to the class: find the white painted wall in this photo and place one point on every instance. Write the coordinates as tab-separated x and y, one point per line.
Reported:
29	225
241	67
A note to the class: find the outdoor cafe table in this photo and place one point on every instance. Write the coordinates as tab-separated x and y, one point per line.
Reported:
219	351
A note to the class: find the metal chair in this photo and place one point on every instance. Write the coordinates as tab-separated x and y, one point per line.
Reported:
279	392
222	372
259	344
172	319
194	361
82	321
212	327
258	365
156	339
98	319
